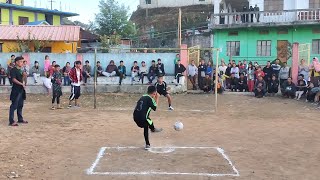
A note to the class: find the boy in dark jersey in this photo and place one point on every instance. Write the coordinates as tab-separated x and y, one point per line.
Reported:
163	89
142	111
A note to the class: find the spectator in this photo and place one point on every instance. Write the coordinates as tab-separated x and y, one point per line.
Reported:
209	69
284	73
160	68
227	75
134	71
202	69
176	59
192	74
10	67
260	87
111	70
208	84
143	71
66	70
233	83
35	72
86	72
259	72
153	70
310	93
222	68
56	81
257	9
26	71
256	65
239	64
46	65
250	78
242	70
219	87
178	71
11	60
315	72
122	71
52	68
3	75
276	68
301	87
267	73
273	85
245	64
304	69
99	69
76	77
251	9
235	70
288	88
242	83
47	83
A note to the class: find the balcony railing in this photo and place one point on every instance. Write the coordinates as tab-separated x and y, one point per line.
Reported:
262	18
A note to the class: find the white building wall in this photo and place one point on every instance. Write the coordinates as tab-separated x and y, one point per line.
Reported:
260	4
172	3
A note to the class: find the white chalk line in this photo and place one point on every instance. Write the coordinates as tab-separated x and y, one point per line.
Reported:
221	151
177	110
90	171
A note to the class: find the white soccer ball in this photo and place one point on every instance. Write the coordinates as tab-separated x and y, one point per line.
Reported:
178	126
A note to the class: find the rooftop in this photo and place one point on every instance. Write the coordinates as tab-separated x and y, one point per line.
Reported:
40	10
265	18
51	33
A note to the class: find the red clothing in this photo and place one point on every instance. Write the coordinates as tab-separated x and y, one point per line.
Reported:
261	73
51	70
73	75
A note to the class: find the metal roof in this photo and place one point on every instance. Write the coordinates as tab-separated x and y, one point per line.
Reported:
51	33
40	10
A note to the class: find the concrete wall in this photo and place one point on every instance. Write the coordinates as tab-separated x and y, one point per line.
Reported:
172	3
104	58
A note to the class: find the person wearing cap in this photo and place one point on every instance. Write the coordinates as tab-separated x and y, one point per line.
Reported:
143	71
18	93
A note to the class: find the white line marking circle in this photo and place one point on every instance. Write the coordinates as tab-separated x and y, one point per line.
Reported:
162	150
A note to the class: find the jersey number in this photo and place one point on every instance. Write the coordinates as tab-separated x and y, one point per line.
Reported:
139	106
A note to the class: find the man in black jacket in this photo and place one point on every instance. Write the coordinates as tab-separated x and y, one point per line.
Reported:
153	71
242	83
179	70
161	68
202	69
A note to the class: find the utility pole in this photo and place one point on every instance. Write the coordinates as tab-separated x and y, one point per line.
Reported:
179	28
51	2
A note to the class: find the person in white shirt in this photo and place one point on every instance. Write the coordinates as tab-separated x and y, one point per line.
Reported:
192	74
235	70
143	71
47	83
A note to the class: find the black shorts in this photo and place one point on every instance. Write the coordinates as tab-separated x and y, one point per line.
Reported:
141	120
164	93
75	92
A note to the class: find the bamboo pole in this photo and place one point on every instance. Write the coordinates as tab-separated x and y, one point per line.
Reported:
180	24
95	80
216	78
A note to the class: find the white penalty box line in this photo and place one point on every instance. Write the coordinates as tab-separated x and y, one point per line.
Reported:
91	170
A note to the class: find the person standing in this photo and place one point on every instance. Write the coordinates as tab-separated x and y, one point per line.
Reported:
18	93
178	71
25	70
304	69
86	72
276	68
66	71
284	73
267	73
192	74
235	70
202	69
76	78
257	9
250	78
176	59
46	65
56	87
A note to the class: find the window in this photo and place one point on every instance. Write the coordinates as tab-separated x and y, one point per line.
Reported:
49	19
1	48
264	48
233	33
316	46
23	20
148	1
283	31
264	32
9	1
233	48
316	30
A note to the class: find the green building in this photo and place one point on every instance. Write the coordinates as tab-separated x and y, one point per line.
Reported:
241	36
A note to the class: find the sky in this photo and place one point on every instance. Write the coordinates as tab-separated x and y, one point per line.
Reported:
86	8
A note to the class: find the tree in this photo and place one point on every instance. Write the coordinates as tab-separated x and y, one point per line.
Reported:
113	19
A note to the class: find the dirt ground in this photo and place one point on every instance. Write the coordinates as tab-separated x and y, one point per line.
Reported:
269	138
